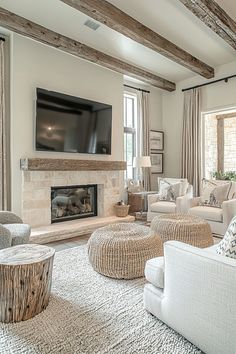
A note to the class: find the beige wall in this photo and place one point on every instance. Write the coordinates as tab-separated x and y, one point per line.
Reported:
35	65
217	96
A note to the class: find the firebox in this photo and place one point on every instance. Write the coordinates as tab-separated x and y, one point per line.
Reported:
73	202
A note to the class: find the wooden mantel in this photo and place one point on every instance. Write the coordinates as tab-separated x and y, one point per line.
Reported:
37	164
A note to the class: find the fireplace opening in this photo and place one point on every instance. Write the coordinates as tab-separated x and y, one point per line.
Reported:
73	202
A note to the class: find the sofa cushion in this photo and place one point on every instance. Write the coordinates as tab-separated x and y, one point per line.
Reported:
227	246
163	207
154	271
208	213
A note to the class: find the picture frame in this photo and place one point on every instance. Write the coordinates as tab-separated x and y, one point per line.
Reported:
156	140
157	161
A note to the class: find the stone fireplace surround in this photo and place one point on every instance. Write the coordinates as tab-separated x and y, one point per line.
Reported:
36	192
36	188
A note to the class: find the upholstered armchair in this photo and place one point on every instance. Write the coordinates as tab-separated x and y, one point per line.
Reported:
12	230
159	207
193	291
218	218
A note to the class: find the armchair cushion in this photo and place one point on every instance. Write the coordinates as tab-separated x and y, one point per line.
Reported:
227	246
214	193
154	271
170	189
207	213
163	207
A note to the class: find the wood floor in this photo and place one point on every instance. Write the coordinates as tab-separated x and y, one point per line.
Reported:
82	240
69	243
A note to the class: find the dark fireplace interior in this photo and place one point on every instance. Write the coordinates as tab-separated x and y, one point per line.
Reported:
73	202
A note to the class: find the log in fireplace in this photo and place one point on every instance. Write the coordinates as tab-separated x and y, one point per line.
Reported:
73	202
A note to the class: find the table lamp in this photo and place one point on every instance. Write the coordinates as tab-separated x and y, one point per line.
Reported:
141	162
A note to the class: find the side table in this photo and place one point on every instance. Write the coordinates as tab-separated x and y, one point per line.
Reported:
25	281
138	202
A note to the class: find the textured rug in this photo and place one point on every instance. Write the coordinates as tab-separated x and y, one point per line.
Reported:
89	313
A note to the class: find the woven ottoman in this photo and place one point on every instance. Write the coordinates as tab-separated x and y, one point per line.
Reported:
121	250
184	228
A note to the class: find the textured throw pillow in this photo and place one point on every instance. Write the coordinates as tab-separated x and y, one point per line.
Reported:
169	192
214	194
227	247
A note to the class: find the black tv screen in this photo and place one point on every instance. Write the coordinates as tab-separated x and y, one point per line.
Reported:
72	124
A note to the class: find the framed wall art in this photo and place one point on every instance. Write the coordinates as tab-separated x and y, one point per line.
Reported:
156	140
157	162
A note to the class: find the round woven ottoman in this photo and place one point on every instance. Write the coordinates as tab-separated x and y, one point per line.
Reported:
184	228
121	250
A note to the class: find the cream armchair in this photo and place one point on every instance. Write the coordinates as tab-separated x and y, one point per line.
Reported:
158	207
193	291
218	218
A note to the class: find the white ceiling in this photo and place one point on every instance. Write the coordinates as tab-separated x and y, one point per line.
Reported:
167	17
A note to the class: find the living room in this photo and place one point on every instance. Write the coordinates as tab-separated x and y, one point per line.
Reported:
118	234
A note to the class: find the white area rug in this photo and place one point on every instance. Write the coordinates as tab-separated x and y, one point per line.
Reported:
89	313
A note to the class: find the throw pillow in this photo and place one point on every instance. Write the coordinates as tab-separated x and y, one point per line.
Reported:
169	192
214	194
227	246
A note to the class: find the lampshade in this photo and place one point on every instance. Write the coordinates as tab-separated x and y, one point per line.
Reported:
142	161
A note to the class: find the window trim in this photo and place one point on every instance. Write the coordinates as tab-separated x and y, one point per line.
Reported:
131	130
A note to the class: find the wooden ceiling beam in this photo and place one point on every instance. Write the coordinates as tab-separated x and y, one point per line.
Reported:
209	12
113	17
226	115
46	36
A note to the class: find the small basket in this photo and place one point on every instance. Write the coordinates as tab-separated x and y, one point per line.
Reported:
121	210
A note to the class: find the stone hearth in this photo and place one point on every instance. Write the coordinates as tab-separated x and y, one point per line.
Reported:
36	191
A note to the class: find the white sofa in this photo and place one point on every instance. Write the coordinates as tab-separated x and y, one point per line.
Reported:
193	291
218	218
158	207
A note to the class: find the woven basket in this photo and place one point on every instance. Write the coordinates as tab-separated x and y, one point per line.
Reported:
121	210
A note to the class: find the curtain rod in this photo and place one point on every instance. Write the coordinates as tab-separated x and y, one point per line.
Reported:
138	89
225	79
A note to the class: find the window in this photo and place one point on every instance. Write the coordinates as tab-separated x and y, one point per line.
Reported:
219	147
130	132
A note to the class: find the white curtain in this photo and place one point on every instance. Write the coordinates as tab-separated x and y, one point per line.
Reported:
143	110
191	139
3	132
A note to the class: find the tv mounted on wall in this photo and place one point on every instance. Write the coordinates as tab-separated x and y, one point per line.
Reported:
72	124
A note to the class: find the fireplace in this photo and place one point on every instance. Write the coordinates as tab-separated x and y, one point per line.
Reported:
73	202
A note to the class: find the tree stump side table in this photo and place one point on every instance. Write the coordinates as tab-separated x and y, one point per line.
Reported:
25	281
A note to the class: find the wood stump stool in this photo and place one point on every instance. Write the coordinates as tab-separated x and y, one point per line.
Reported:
25	281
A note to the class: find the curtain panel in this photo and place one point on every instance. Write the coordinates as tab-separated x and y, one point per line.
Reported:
143	109
191	139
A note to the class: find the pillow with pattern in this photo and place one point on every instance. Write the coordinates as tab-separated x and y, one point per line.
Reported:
214	194
227	246
169	192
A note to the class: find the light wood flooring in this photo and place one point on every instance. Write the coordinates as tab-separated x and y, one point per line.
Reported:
82	240
69	243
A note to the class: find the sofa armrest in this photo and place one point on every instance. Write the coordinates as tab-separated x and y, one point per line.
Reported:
189	192
182	204
193	202
8	217
229	210
152	198
5	237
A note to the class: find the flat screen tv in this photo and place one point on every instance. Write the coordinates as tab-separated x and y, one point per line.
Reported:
72	124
